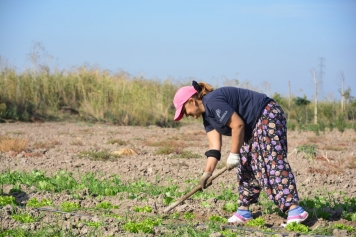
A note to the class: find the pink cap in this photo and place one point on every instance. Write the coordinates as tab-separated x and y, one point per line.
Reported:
181	96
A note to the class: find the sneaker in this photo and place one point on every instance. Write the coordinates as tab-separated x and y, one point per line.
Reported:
236	218
298	218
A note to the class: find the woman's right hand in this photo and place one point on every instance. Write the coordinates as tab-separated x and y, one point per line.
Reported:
232	161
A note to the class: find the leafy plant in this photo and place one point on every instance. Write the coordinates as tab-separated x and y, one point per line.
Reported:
343	227
257	222
23	218
297	227
105	205
227	195
143	209
5	200
219	219
188	215
93	224
228	233
145	226
349	216
205	204
70	206
175	215
229	207
168	199
308	151
33	202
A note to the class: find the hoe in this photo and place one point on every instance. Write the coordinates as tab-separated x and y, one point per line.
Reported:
194	190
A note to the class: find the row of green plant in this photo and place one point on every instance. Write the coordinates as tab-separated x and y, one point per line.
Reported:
319	206
95	186
146	225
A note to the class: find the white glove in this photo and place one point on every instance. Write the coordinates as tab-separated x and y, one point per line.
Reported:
232	161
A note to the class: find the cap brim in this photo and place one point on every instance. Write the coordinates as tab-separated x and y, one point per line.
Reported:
179	115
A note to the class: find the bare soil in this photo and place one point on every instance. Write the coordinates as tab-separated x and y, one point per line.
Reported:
333	170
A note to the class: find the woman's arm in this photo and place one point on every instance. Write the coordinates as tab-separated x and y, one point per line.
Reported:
214	144
237	132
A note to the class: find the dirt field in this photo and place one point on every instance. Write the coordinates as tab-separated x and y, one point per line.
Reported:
55	146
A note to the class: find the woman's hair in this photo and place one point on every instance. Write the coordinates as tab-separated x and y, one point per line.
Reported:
202	88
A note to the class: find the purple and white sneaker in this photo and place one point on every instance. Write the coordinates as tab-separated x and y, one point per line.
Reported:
297	215
237	218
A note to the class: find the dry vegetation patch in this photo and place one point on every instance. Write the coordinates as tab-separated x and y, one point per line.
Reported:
117	141
334	148
351	162
12	144
46	145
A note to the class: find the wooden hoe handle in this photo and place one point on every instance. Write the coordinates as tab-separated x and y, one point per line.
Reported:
197	188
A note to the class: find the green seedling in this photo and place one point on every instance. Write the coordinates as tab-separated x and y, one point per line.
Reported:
69	206
205	204
143	209
258	222
343	227
188	215
297	227
308	151
349	216
5	200
168	199
219	219
229	207
23	218
105	205
93	224
227	195
228	233
33	202
175	215
145	226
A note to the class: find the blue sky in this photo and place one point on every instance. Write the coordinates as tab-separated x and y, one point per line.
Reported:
212	41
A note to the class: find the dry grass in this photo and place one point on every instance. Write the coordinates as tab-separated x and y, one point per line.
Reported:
12	144
334	148
314	139
46	145
15	133
118	141
174	143
351	163
125	152
86	131
76	143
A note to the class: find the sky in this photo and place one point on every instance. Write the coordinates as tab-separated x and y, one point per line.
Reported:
263	43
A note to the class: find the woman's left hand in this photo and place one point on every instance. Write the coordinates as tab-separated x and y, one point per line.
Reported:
204	178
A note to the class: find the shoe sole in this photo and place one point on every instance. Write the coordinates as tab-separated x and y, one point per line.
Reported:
240	219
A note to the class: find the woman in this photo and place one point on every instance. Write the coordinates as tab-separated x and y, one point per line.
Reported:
258	130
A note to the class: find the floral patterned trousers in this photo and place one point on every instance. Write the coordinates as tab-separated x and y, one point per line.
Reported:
264	163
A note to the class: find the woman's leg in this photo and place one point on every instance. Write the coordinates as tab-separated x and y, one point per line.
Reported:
249	188
269	158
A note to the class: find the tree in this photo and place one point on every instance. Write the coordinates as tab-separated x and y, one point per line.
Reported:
301	103
342	92
316	90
